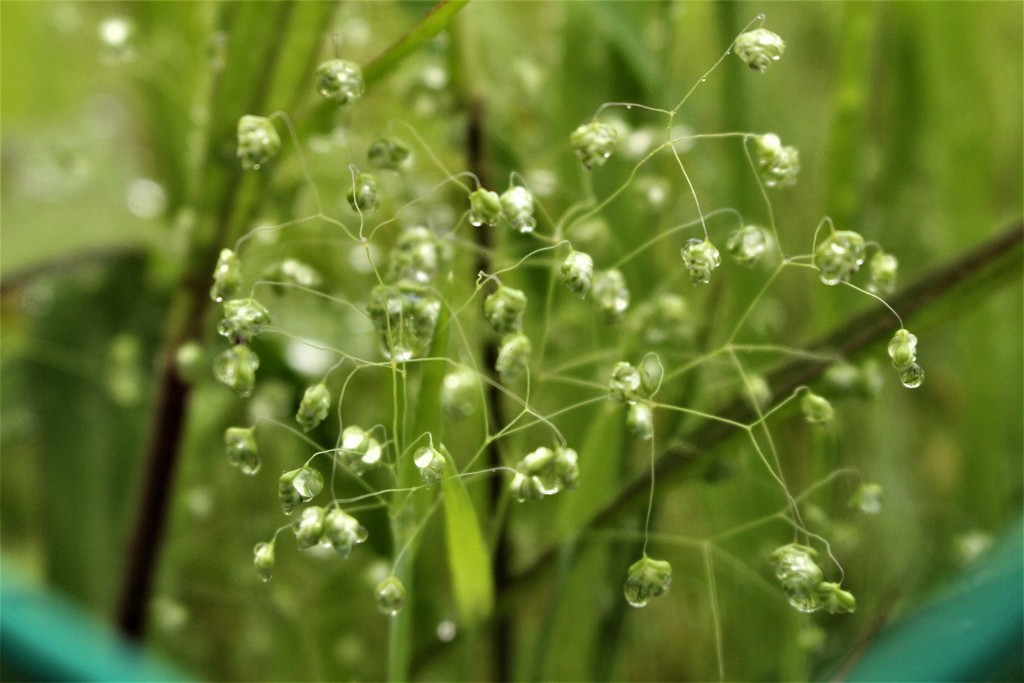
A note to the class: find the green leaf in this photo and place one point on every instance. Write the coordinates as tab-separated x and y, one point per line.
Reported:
467	553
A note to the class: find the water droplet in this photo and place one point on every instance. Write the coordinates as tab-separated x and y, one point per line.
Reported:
912	377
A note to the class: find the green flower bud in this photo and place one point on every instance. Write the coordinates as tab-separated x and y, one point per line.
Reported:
839	256
390	596
484	207
236	367
313	408
747	244
640	420
594	142
263	559
799	574
362	197
912	377
700	258
625	384
513	356
545	472
310	528
287	493
759	48
868	499
647	579
903	349
405	317
340	80
359	451
258	141
525	488
227	276
882	273
817	410
610	294
387	153
240	444
243	320
834	599
566	467
504	309
778	166
459	392
517	209
431	464
343	531
578	272
417	256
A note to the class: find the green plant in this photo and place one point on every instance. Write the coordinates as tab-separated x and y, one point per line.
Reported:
426	329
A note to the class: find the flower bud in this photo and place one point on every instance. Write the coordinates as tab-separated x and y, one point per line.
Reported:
882	273
343	531
839	256
240	444
525	488
484	207
513	356
263	559
903	349
258	141
243	320
647	579
227	276
834	599
610	294
759	48
504	309
340	80
316	401
431	464
625	383
387	153
566	467
517	209
594	142
236	367
287	493
778	166
799	574
310	527
390	596
817	409
640	420
578	272
405	317
700	258
362	197
747	244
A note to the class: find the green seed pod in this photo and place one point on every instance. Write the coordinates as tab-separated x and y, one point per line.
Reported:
286	492
759	48
343	531
882	273
340	80
431	464
484	207
525	488
258	141
647	579
625	383
313	408
778	166
834	599
513	356
839	256
240	444
903	349
578	272
363	196
504	309
236	367
243	320
459	392
390	596
817	410
227	276
868	499
517	210
263	559
417	256
405	317
610	294
912	377
594	142
640	420
799	574
387	153
700	258
747	244
310	528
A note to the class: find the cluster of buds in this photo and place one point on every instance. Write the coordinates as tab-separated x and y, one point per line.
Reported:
578	272
405	316
903	353
759	48
387	153
777	165
594	142
258	141
700	257
298	486
240	445
359	451
839	256
545	472
804	581
332	528
610	294
363	195
646	579
340	80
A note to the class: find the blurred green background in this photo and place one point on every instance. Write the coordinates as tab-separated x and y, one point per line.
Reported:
908	117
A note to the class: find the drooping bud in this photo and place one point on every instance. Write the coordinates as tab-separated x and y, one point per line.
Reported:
625	383
834	599
240	444
236	367
340	80
882	273
310	527
227	276
390	596
594	142
799	574
459	392
243	320
387	153
759	48
363	196
578	272
513	356
640	420
343	531
263	560
431	464
609	292
258	141
504	309
517	209
313	408
903	349
839	256
700	257
484	207
777	165
647	579
816	409
747	244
